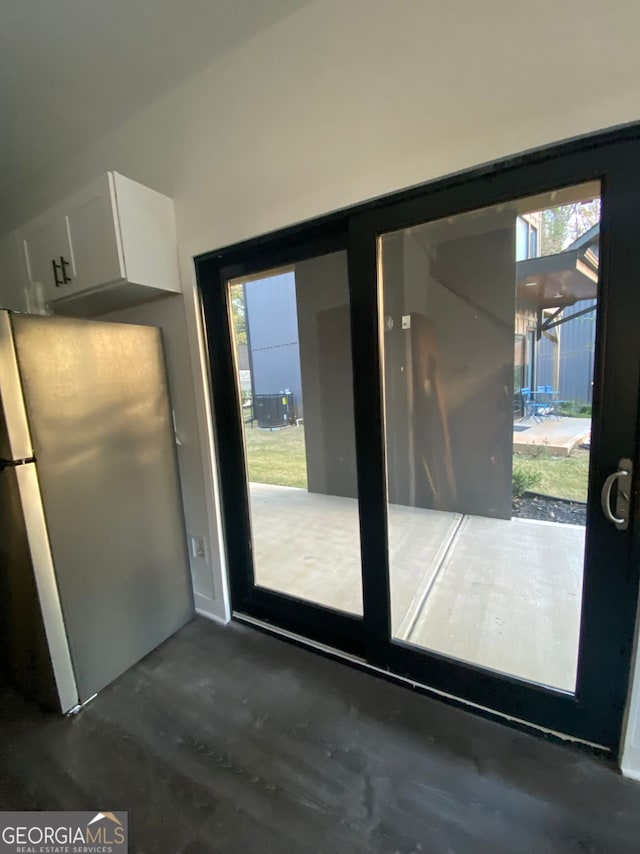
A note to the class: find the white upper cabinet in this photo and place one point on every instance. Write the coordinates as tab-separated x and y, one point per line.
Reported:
91	218
46	252
110	245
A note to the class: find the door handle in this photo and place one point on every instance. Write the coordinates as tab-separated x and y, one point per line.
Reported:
56	267
63	267
623	496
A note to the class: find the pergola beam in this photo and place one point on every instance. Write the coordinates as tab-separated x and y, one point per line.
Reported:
551	323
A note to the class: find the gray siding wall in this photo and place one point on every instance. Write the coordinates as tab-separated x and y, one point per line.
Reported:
577	343
272	328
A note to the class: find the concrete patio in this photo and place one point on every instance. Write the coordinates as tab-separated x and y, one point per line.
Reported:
503	594
558	436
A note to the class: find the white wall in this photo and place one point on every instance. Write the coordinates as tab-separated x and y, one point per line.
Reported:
348	99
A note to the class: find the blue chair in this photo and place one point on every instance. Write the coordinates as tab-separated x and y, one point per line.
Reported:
545	401
556	403
531	408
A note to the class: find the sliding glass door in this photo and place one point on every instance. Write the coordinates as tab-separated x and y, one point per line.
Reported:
290	442
487	513
426	413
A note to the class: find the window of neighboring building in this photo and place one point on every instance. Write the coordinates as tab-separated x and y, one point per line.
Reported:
526	239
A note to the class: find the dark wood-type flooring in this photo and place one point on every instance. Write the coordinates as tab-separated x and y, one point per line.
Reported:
225	739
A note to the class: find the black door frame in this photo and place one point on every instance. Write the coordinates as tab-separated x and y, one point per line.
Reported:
610	594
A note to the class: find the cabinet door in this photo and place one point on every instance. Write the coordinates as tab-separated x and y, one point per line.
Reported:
45	245
96	253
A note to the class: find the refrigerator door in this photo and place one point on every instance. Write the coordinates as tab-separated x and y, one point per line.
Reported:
34	642
100	420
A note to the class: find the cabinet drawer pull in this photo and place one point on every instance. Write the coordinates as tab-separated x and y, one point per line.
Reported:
63	266
56	267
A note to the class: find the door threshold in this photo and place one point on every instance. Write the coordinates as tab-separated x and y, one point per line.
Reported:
451	699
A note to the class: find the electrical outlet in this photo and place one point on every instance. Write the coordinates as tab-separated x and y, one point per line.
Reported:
197	548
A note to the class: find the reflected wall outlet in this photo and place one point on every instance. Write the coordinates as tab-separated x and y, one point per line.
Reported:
197	548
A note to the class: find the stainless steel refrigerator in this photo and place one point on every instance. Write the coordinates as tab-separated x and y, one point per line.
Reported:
93	557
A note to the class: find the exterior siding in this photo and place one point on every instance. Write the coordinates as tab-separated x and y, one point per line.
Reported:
272	331
577	342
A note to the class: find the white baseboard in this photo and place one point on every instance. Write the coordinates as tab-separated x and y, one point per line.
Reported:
630	762
631	773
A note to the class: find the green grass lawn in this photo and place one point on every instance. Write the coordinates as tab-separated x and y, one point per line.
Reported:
278	457
564	477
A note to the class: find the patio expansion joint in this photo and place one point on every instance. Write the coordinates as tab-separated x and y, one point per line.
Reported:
415	609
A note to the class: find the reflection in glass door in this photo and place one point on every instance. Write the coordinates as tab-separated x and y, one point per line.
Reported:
487	476
292	342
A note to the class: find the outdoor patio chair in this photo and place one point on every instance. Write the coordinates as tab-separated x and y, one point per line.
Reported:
555	401
531	407
545	401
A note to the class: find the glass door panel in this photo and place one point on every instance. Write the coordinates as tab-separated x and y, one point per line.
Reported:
292	344
486	475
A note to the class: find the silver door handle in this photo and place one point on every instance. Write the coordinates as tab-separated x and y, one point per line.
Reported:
623	478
